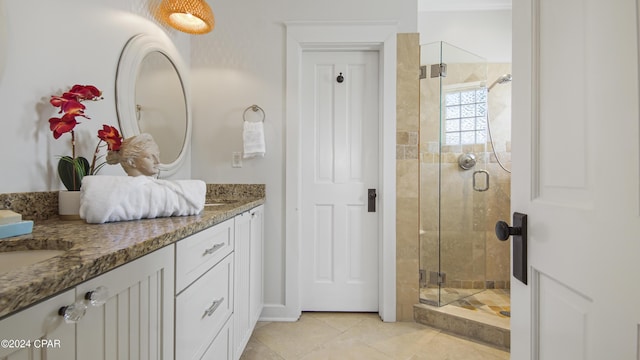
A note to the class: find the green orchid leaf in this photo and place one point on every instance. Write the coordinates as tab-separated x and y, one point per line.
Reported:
71	171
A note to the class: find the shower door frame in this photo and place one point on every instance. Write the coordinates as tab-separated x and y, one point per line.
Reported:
462	287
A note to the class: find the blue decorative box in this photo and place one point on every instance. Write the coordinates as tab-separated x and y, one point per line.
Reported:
15	229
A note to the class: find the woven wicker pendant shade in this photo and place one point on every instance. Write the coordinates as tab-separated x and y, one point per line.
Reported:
190	16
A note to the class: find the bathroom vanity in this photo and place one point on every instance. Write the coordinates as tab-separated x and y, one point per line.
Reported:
168	288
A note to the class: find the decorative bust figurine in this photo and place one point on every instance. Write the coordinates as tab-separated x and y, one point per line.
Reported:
138	155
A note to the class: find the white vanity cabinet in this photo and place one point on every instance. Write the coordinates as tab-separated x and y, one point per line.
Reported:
197	299
131	319
219	293
136	319
248	276
48	336
205	293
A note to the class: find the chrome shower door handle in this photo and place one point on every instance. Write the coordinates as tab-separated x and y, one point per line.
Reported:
486	180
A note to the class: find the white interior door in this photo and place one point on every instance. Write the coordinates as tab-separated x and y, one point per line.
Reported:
576	174
339	156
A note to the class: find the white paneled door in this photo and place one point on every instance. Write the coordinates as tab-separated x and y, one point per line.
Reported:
576	169
339	155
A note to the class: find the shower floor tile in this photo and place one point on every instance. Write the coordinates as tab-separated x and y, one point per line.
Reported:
482	316
485	305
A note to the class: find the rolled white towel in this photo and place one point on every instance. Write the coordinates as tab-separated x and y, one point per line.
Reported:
119	198
253	138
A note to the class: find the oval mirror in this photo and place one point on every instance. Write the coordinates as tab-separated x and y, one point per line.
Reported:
151	98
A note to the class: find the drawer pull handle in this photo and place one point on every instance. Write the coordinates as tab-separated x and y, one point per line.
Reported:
213	249
213	307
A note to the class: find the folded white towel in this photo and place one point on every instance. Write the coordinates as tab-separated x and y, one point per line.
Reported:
253	137
118	198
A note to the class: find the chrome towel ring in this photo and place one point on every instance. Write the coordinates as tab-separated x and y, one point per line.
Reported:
255	108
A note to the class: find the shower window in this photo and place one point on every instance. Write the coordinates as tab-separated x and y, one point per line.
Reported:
465	115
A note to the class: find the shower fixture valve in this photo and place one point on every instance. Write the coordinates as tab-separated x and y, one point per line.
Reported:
467	161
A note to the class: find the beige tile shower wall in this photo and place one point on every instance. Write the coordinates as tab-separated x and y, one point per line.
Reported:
407	174
499	203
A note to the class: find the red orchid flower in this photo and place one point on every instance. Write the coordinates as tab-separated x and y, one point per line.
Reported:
84	92
74	108
67	105
62	125
72	169
58	101
70	101
111	136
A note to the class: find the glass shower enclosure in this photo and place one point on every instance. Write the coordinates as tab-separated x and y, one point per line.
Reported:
454	181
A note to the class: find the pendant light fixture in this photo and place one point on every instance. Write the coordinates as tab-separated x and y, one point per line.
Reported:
190	16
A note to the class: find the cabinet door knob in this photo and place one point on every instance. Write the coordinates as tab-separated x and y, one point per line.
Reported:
97	297
73	313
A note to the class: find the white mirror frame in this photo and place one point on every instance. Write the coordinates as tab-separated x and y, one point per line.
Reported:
129	65
4	43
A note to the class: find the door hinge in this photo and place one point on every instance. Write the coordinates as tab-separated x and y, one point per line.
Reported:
423	72
437	278
423	277
439	70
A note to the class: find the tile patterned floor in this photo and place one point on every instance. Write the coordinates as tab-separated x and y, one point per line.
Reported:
344	336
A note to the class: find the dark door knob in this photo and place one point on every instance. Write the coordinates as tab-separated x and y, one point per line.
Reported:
519	244
372	200
503	230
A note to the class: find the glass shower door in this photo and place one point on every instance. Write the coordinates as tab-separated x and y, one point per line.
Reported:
453	173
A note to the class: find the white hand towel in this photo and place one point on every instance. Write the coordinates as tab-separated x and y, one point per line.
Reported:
118	198
253	137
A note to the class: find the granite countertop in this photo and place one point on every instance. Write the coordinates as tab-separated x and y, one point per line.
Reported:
93	249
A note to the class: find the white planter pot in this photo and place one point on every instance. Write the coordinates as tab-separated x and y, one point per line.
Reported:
69	205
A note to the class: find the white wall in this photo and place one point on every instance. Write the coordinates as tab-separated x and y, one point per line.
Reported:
45	48
486	33
242	62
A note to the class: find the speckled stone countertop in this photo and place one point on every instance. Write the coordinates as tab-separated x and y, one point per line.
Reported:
93	249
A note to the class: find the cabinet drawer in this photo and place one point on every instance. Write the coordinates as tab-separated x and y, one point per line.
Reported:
221	348
202	309
199	252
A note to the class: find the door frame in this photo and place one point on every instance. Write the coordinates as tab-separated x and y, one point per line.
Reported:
313	36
